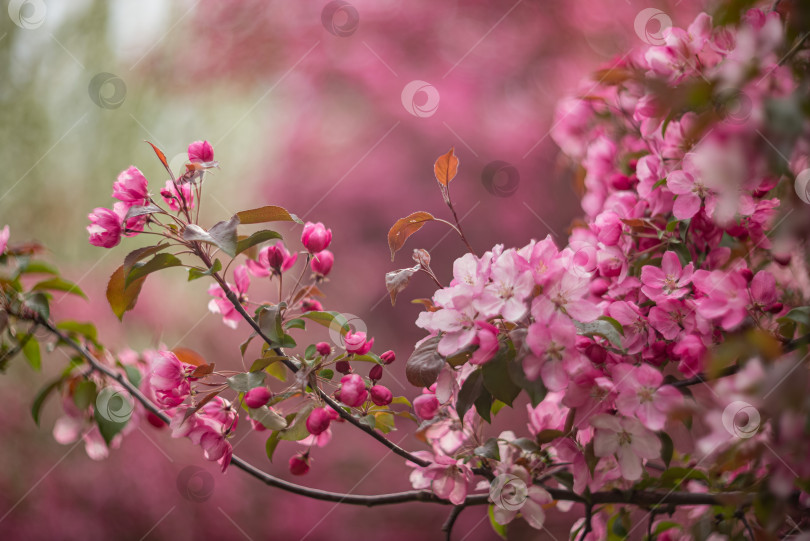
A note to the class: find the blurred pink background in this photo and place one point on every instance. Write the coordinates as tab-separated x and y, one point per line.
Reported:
305	110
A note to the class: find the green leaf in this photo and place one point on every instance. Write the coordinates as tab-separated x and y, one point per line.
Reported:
667	447
499	529
298	428
264	362
488	450
38	302
384	422
671	226
483	405
310	352
59	284
269	213
38	267
326	373
141	253
297	323
548	435
84	394
268	418
39	399
121	297
424	365
616	325
332	320
602	328
108	428
193	273
256	238
469	392
140	210
159	262
246	381
270	323
222	234
31	351
88	330
133	375
497	380
272	443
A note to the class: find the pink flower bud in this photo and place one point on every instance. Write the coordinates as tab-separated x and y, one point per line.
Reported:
355	342
322	262
318	421
599	287
376	372
353	391
299	464
608	227
783	259
316	237
257	397
105	227
257	426
381	395
335	416
343	367
426	406
323	348
748	274
311	305
388	357
131	187
201	151
776	307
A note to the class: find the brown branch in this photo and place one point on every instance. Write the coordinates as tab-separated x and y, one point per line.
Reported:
447	527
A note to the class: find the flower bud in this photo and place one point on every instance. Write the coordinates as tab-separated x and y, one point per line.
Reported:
257	397
783	259
748	274
426	406
353	391
131	187
343	367
275	258
381	395
316	237
776	307
599	287
322	262
257	426
105	227
323	349
299	464
311	305
356	343
376	372
201	151
318	421
388	357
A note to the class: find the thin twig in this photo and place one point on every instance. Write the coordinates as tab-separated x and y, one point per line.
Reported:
447	527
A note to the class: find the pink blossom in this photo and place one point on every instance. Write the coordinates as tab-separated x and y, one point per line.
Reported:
273	258
131	187
637	332
566	296
318	421
353	391
201	151
221	305
449	479
388	357
486	338
257	397
627	439
690	189
553	347
426	406
673	317
691	352
608	228
311	305
667	282
547	415
321	263
316	237
458	327
172	197
105	227
724	296
763	291
323	348
381	395
356	343
506	292
168	379
5	233
642	395
299	464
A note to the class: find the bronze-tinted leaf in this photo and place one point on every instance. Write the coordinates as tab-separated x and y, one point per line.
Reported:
424	365
162	157
446	167
404	228
121	297
396	281
269	213
189	356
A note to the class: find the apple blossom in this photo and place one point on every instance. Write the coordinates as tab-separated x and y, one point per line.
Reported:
257	397
316	237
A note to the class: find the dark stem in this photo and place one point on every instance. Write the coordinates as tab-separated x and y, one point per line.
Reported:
447	527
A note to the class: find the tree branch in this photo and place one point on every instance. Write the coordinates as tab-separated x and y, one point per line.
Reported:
447	527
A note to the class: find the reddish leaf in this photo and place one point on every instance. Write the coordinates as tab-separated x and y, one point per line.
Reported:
446	168
427	303
189	356
162	157
269	213
404	228
121	297
203	370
